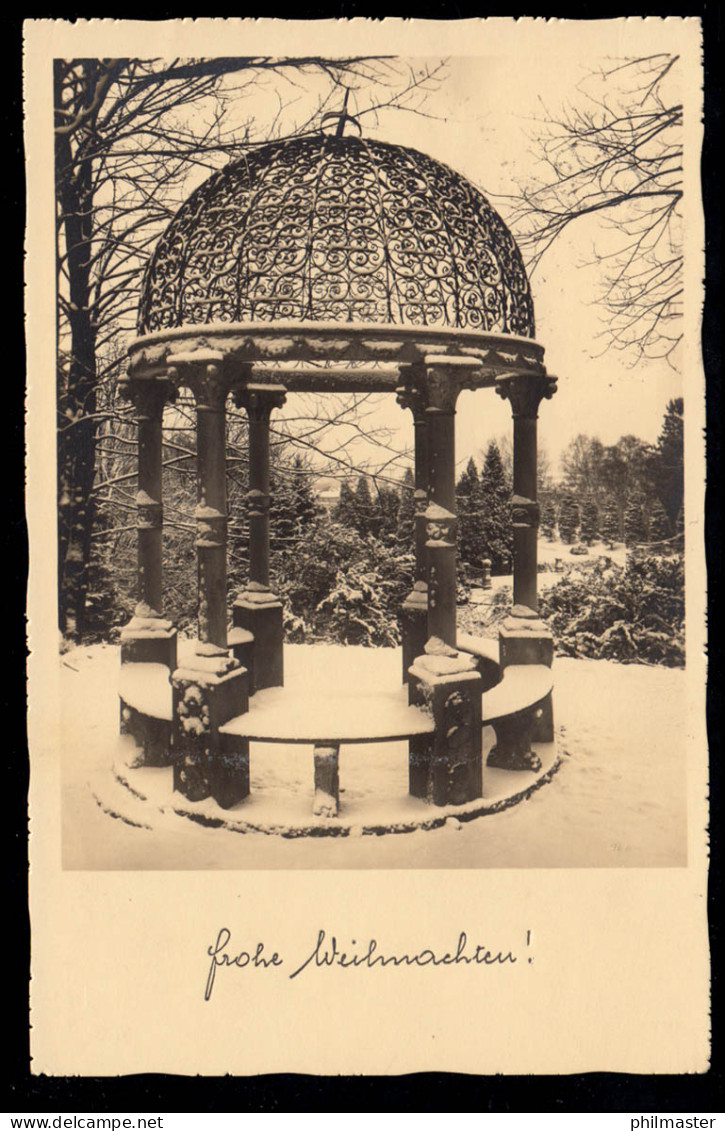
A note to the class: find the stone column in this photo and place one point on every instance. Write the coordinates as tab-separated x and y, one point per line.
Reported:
210	392
210	687
149	638
414	610
445	768
444	377
523	638
525	392
258	611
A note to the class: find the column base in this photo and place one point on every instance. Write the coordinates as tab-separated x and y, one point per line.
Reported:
208	691
260	612
413	618
513	744
524	639
446	768
149	640
543	727
327	781
241	645
152	736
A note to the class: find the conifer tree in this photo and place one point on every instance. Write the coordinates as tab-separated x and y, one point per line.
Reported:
365	517
386	505
469	504
496	512
547	522
344	513
609	526
305	507
405	529
659	527
568	519
292	507
634	528
589	524
669	459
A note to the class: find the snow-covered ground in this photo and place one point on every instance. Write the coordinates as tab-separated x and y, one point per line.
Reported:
619	799
549	554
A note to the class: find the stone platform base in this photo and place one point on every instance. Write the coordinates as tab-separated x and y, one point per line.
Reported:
142	797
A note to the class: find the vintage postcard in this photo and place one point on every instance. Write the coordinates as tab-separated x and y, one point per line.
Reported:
365	487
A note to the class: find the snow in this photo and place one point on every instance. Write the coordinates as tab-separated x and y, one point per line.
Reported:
521	687
278	713
147	688
618	800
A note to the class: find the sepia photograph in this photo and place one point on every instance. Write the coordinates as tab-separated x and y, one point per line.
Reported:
376	436
315	579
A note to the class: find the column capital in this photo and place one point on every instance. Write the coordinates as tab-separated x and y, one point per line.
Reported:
203	371
148	395
413	398
526	391
445	376
259	400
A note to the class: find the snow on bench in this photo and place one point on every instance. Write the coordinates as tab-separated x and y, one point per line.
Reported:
276	715
478	646
522	687
147	688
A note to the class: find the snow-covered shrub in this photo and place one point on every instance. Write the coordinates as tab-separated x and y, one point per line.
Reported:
633	614
340	587
485	618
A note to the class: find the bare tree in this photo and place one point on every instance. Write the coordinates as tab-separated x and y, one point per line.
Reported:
616	155
124	157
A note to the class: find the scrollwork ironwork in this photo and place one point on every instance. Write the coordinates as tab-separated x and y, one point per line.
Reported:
337	229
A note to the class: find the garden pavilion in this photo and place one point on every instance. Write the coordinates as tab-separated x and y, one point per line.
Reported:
336	263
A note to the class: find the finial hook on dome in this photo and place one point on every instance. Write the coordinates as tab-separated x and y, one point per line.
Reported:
341	117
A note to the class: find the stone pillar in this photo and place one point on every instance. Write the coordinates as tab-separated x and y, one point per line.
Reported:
525	392
444	377
486	573
523	638
258	611
209	687
210	392
414	610
444	768
327	780
208	690
149	638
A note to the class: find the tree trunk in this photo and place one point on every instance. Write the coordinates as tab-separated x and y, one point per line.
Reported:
76	375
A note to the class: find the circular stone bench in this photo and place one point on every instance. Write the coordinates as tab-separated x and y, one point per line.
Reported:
327	719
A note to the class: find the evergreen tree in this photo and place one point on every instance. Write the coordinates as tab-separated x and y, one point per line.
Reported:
365	517
609	526
589	526
547	522
305	507
292	506
386	506
568	519
405	528
669	460
496	525
634	528
469	504
345	513
659	527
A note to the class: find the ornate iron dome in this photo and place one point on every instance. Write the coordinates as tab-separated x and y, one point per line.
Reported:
335	228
